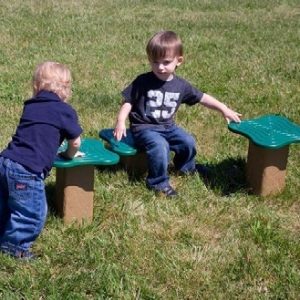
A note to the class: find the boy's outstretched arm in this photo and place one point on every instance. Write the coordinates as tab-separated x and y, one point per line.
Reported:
73	146
120	128
228	114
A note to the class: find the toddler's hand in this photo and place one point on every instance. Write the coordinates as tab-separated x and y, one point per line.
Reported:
79	154
120	131
231	115
65	156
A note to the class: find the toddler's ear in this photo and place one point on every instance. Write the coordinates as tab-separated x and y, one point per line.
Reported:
179	60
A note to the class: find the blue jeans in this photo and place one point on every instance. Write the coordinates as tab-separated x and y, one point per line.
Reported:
158	143
23	207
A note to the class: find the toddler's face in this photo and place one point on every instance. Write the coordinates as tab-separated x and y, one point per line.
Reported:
165	67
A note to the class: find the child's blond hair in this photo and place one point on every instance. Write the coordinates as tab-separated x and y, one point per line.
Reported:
164	43
54	77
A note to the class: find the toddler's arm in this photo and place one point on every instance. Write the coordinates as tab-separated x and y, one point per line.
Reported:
228	114
73	146
120	127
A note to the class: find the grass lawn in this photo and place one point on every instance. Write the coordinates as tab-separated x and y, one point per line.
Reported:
211	242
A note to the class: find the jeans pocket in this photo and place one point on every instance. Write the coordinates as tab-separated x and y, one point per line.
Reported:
21	185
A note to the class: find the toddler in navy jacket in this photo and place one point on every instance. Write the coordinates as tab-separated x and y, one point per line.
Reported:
47	120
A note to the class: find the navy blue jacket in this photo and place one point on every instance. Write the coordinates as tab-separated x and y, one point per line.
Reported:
45	122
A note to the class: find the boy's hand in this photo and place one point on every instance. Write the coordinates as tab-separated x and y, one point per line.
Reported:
72	148
231	115
79	154
64	155
120	128
120	131
227	113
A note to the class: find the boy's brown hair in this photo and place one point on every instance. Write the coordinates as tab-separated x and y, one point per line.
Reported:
162	44
54	77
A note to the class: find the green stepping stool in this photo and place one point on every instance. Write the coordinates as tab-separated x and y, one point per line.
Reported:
133	160
269	139
75	180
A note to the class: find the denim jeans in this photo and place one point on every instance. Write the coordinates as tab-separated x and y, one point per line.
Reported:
158	143
23	207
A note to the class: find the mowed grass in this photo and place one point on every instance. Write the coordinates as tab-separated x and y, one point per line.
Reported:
212	242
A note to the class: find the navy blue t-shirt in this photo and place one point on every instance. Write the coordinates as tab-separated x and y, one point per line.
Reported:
45	122
155	102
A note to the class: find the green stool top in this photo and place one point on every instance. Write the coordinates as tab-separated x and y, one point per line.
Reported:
95	154
124	147
269	131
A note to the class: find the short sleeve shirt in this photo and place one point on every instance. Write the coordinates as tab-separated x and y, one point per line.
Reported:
45	122
155	102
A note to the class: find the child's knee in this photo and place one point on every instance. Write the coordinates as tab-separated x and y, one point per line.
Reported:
160	147
189	141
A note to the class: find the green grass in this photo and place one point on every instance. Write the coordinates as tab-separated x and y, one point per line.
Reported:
215	242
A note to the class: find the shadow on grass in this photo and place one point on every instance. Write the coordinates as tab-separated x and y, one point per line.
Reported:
228	176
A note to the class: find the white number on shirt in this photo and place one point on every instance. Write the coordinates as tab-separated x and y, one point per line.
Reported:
161	105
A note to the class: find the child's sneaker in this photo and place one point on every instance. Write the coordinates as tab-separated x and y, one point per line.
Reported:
26	255
21	255
168	191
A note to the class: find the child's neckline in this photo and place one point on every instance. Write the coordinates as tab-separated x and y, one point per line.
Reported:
172	77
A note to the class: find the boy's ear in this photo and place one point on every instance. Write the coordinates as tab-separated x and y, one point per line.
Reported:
179	60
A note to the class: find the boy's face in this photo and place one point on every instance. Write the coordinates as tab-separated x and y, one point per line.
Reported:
165	67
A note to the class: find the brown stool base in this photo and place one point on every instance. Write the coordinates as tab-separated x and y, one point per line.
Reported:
75	193
266	169
136	164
